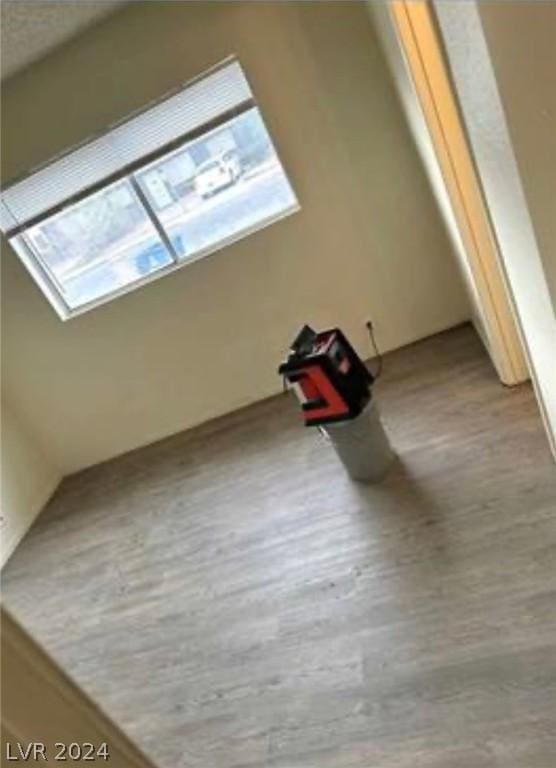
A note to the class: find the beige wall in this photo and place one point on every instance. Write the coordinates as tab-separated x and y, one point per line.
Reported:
381	15
28	478
521	38
494	150
368	241
409	34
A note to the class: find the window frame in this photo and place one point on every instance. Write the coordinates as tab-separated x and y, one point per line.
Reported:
41	272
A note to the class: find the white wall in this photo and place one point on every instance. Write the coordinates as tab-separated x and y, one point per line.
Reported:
28	478
368	242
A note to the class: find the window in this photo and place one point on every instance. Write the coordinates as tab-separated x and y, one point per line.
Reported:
178	181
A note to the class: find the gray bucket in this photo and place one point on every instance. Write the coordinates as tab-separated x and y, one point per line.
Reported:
362	445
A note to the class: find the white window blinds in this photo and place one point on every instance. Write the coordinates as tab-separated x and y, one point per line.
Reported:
196	105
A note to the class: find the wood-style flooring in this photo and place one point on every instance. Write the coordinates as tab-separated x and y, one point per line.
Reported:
233	600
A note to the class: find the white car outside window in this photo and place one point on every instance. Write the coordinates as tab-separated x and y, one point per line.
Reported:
217	173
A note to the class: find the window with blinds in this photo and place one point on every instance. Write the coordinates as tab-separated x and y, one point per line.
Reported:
170	184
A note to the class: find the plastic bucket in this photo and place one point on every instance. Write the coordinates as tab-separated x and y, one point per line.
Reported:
362	445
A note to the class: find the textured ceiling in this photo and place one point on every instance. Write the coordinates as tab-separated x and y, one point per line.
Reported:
32	28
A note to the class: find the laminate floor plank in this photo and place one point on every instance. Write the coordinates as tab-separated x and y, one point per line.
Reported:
233	600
